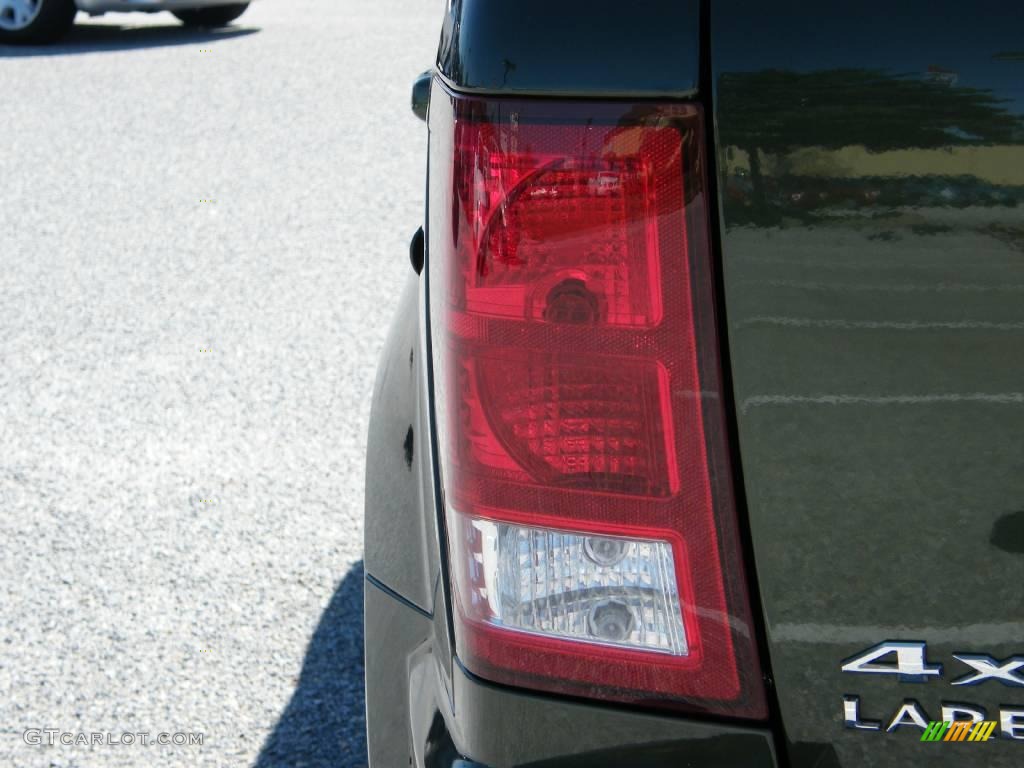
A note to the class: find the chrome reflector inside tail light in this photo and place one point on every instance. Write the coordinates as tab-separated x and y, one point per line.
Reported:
593	546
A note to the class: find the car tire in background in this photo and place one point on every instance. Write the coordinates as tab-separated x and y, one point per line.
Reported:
35	21
215	16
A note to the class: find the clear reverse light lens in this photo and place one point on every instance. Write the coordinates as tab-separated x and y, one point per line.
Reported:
588	588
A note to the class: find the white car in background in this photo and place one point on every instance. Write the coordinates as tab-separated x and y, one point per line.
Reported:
43	21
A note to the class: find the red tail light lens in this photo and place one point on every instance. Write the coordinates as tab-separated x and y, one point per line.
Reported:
570	420
538	257
592	533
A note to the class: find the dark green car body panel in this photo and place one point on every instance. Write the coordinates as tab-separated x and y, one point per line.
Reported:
871	175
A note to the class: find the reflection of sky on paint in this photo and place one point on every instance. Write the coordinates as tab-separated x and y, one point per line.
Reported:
904	37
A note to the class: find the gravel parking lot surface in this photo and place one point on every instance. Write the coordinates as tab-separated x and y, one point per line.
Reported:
201	240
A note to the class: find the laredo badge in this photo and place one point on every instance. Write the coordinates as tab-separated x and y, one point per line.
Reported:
908	662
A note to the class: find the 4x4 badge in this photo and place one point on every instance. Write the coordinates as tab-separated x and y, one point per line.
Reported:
911	666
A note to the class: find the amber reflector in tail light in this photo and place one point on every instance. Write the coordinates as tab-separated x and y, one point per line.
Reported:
591	528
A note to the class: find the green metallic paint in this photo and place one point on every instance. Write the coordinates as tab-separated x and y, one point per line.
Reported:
871	178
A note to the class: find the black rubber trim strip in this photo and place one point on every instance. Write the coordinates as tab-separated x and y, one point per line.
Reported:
392	594
707	98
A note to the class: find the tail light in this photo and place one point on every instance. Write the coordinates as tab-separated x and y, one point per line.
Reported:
591	527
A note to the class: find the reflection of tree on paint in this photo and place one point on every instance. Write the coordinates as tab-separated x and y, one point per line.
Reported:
776	111
941	75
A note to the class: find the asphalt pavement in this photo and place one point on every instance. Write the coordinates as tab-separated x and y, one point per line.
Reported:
202	236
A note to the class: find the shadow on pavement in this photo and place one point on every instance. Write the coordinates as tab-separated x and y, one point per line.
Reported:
324	724
92	38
